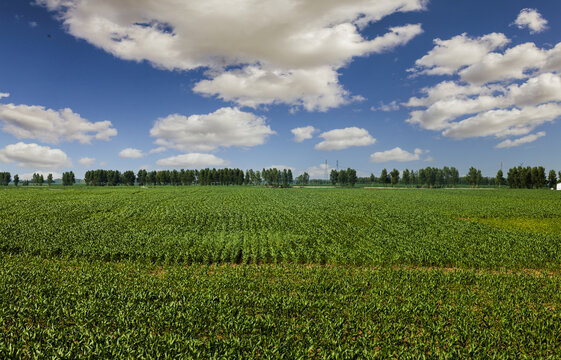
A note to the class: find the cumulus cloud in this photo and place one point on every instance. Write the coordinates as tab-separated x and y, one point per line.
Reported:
513	64
503	123
87	161
312	89
531	19
157	150
34	156
279	44
340	139
448	101
192	160
396	154
450	55
502	94
318	172
130	153
303	133
315	89
392	106
523	140
51	126
226	127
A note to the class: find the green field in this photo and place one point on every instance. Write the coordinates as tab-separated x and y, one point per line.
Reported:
244	272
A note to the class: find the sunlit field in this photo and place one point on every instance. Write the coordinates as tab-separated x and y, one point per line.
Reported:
244	272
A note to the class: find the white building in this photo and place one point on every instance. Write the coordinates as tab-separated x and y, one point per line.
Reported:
559	186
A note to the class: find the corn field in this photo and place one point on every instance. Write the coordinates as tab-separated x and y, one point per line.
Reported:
240	272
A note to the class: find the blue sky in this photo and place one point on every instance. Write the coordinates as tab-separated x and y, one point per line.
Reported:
225	83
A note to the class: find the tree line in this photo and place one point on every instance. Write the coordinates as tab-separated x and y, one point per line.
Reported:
429	176
517	177
205	177
68	178
343	177
531	178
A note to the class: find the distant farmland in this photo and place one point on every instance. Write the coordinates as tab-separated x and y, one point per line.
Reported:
257	272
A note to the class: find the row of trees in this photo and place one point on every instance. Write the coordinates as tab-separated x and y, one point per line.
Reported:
68	178
226	176
429	176
36	179
5	178
108	177
517	177
530	177
343	177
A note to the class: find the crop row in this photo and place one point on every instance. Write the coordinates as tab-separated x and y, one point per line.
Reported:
77	308
459	228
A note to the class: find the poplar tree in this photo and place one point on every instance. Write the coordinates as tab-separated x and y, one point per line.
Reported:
406	177
394	176
384	176
551	181
351	177
333	176
500	178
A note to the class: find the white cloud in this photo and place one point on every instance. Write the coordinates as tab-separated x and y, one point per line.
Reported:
33	24
29	175
515	63
130	153
396	154
303	133
3	95
192	160
502	123
224	128
537	90
523	140
280	43
34	156
157	150
87	161
392	106
318	172
450	55
340	139
448	90
489	98
313	89
531	19
448	101
52	126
